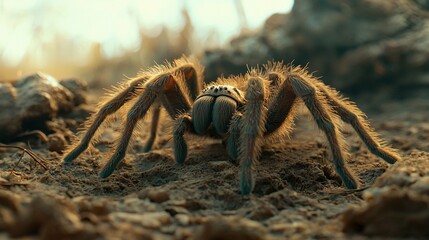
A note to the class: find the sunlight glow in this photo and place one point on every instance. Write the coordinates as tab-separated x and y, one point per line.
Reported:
28	29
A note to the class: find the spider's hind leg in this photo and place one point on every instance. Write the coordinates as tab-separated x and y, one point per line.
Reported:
352	115
326	120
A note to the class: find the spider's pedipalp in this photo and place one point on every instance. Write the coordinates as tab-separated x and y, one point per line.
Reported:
325	119
351	114
252	129
223	109
202	113
106	109
184	123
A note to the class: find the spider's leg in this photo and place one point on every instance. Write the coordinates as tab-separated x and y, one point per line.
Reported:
171	96
252	129
108	108
184	123
190	73
352	115
192	78
232	142
281	107
153	128
325	119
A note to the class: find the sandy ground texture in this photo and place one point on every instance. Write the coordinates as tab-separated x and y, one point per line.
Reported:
297	193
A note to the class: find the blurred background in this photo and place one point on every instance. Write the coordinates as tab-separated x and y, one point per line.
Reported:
104	40
376	49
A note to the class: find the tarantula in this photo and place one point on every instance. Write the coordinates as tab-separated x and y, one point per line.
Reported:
242	110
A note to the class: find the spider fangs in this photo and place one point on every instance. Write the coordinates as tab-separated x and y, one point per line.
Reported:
242	110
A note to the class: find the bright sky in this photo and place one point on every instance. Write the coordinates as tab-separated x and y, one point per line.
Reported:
31	26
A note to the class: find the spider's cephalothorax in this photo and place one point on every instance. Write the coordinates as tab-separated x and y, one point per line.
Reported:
217	104
242	110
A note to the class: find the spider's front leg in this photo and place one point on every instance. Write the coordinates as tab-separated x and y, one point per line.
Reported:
107	109
252	129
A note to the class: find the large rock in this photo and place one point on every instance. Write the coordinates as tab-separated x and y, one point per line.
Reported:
32	100
355	45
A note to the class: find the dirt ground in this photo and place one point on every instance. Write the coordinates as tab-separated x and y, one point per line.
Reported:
297	194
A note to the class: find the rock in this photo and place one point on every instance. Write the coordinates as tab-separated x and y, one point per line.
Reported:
422	185
156	195
32	100
10	122
357	46
189	204
398	202
183	219
78	88
232	228
49	217
152	220
56	143
396	213
9	204
173	210
41	96
263	211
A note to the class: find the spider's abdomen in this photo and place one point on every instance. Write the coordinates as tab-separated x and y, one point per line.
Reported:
216	105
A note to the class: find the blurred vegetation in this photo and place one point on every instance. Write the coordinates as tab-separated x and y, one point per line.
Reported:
167	45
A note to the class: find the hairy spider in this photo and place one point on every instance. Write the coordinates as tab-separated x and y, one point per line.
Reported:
244	111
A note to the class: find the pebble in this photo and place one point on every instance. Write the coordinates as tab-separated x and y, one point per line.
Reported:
422	185
56	143
232	228
157	195
152	220
183	219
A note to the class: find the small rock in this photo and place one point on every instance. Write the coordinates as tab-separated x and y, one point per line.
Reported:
422	185
183	233
397	213
263	211
8	121
152	220
219	166
183	219
78	87
51	218
157	195
280	227
8	209
232	228
56	143
172	210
